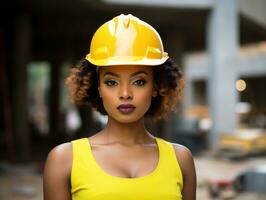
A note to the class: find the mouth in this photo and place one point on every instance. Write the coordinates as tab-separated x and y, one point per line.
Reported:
126	108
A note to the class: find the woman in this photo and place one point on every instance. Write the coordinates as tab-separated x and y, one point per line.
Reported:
126	76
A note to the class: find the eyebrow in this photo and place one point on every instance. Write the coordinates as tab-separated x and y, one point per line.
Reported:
131	75
111	73
138	72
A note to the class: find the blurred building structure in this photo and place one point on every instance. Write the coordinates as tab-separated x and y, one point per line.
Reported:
59	32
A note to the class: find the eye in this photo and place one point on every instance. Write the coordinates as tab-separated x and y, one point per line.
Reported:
140	82
110	83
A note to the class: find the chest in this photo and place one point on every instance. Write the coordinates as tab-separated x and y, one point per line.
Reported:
126	162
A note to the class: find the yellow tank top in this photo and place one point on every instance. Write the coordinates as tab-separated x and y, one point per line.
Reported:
90	182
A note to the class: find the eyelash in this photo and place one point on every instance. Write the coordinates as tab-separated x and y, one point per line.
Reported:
143	82
112	83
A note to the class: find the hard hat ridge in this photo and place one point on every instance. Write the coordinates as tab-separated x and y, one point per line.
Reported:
126	20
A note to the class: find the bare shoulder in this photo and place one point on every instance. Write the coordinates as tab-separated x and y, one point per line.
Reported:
57	170
182	151
186	163
61	154
184	157
59	161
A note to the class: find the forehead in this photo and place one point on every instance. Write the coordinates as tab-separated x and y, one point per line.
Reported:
125	69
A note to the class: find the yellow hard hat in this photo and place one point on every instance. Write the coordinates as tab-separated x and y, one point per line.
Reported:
126	40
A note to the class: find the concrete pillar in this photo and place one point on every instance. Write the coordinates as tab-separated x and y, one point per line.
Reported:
222	42
189	97
21	54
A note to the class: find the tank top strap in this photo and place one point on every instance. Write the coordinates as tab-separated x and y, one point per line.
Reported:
83	154
169	161
83	166
80	149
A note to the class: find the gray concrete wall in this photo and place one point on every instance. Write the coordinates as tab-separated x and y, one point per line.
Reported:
254	9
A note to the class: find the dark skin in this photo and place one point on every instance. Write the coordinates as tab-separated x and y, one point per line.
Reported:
131	150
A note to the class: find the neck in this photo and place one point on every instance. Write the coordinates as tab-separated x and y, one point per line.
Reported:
129	133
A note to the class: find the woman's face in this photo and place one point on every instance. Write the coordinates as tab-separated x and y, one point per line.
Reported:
126	91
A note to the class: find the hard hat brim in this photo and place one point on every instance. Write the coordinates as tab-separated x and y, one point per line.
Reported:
132	60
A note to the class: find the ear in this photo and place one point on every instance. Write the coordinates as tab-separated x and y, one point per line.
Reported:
163	91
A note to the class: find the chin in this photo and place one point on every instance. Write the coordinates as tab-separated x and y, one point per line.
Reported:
127	119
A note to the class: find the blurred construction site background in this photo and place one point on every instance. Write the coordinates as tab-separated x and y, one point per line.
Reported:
220	46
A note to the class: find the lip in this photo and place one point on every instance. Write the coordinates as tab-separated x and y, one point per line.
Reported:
126	108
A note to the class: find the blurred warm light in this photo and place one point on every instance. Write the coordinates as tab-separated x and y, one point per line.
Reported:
241	85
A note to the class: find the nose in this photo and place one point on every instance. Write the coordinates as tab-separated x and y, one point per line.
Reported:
125	92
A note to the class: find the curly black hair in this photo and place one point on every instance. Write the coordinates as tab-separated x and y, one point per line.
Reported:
83	86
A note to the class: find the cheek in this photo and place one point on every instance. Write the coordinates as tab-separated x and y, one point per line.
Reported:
106	95
145	95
